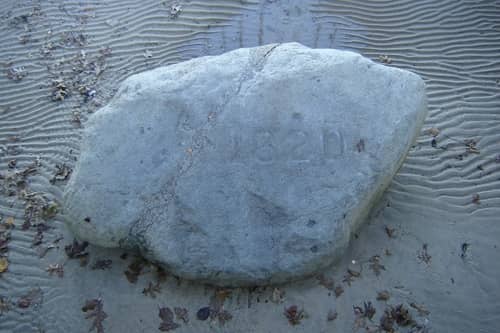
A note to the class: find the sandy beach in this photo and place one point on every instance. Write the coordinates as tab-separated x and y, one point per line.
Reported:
431	245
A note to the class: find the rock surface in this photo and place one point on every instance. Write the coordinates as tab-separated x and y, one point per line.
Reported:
252	167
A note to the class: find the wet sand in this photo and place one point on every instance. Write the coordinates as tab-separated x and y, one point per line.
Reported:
436	231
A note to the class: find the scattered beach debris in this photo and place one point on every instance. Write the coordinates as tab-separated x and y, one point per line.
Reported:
464	247
4	264
420	308
423	255
400	314
135	269
152	289
203	313
471	146
102	264
391	232
383	295
476	199
167	320
332	315
353	271
95	309
175	10
5	236
12	164
59	90
216	306
181	314
375	265
4	304
434	143
16	73
294	314
384	59
76	250
433	131
62	173
49	210
367	311
278	296
33	297
56	269
339	290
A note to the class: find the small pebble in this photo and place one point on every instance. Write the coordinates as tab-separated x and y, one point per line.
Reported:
203	313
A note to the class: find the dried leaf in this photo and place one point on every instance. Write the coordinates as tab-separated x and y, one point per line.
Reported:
294	314
390	232
339	290
476	199
167	317
9	221
4	264
433	131
278	296
420	308
203	313
401	315
134	270
423	255
181	314
56	268
375	265
33	297
95	308
49	211
152	289
76	249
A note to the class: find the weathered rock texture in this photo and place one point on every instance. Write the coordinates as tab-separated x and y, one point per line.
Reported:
248	168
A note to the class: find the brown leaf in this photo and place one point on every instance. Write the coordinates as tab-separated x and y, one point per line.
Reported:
167	317
95	308
134	270
181	314
390	232
375	265
339	290
34	296
4	264
423	255
294	314
56	268
420	308
152	289
76	249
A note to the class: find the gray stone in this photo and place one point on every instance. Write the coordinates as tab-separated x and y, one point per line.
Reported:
252	167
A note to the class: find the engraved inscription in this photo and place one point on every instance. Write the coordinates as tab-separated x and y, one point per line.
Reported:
268	145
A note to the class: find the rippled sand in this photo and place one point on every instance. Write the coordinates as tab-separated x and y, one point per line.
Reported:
442	209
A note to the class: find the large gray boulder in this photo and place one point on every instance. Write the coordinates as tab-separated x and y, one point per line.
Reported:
252	167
